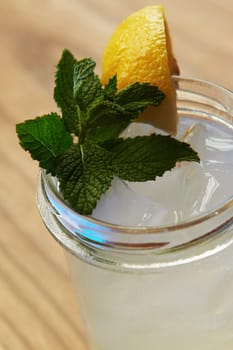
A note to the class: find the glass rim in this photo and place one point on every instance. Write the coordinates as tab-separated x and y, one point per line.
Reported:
139	230
134	229
179	78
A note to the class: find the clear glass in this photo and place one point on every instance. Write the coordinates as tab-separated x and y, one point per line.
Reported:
154	287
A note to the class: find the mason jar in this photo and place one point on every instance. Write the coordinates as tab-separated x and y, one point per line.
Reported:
166	287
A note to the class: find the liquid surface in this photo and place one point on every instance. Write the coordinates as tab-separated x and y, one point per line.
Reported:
187	191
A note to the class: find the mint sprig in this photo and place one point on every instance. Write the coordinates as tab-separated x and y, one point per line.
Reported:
45	138
97	115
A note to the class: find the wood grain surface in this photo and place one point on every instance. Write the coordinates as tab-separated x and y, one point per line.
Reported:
37	305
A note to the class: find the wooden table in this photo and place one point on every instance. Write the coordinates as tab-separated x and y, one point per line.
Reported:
37	305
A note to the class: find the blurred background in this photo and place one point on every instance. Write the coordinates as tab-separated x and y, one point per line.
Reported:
37	305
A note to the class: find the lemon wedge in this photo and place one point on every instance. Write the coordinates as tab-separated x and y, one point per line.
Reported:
140	50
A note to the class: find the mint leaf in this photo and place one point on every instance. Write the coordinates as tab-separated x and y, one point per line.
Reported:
87	85
89	92
106	121
111	88
143	158
136	97
64	92
83	69
85	173
45	138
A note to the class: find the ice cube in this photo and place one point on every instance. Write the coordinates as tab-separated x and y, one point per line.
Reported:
163	190
210	143
190	190
181	194
123	206
141	129
215	148
219	186
179	191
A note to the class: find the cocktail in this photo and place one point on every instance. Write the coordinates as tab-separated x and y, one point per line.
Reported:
170	284
153	263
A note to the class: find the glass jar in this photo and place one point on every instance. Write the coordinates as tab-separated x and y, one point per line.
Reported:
150	288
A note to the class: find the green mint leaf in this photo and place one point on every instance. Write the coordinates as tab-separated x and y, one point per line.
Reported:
143	158
45	138
85	173
87	85
89	92
106	121
64	92
110	89
136	97
83	69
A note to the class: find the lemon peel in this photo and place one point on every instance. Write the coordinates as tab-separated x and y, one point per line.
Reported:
140	50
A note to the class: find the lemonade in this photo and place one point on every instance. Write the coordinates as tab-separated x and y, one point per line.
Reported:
137	187
170	284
